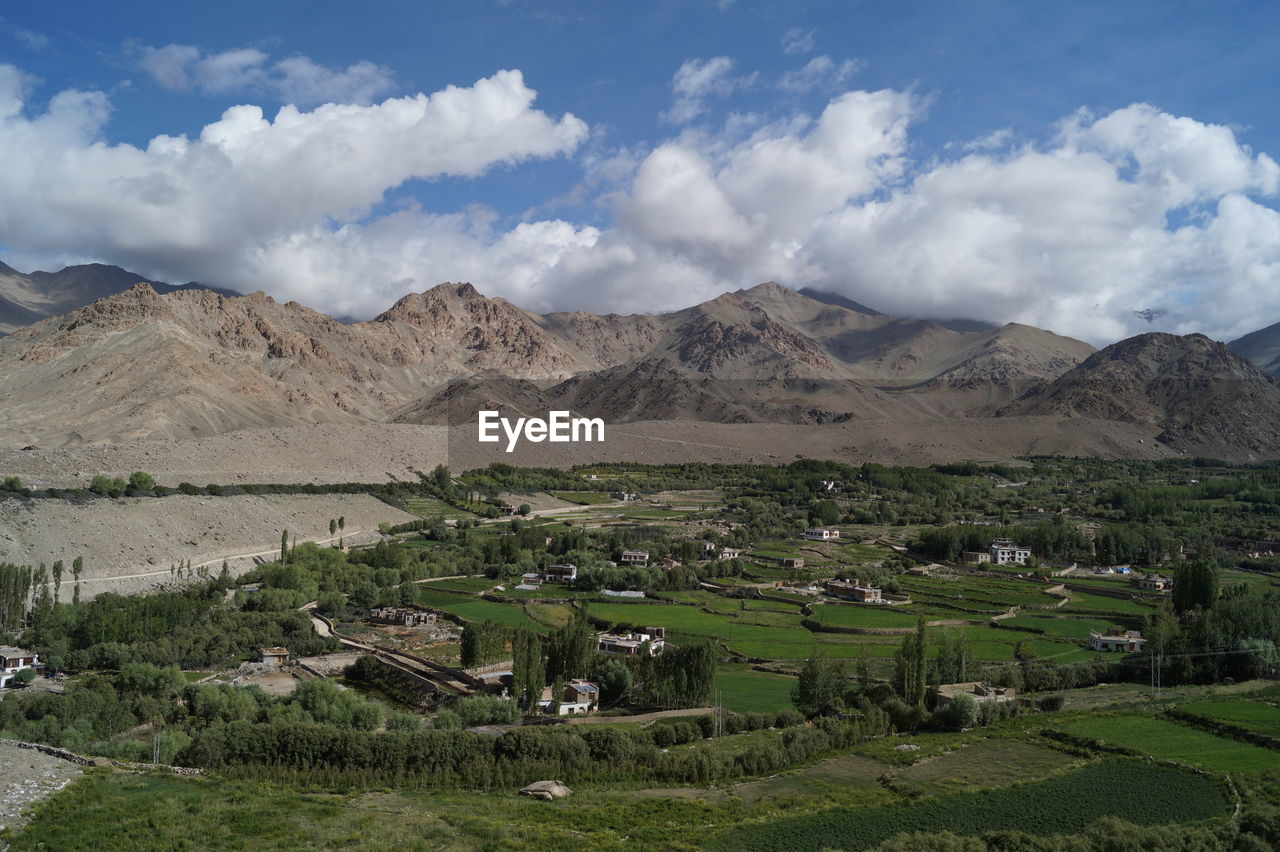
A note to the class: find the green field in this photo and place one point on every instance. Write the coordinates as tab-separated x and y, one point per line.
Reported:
1086	601
744	690
1169	740
848	615
1069	628
582	498
1064	804
474	608
1256	716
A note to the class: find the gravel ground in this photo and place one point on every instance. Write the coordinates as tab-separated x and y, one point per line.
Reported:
129	544
27	777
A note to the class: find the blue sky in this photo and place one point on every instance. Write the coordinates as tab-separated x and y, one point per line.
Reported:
926	158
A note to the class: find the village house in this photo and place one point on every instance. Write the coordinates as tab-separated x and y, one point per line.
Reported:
402	616
624	496
580	696
1116	640
651	641
730	553
274	656
976	557
829	485
565	573
855	590
977	690
791	562
635	557
1004	552
821	534
14	660
1154	583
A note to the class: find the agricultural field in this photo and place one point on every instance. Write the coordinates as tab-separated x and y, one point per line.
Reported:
742	689
583	498
1169	740
1063	804
1259	716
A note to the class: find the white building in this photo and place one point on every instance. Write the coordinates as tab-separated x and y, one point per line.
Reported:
633	644
1005	552
635	557
821	534
14	660
730	553
1117	640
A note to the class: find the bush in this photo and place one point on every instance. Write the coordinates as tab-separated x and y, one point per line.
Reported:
1051	703
486	710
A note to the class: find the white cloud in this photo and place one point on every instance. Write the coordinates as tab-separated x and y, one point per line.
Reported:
224	207
819	71
798	41
1135	209
696	80
1118	212
296	80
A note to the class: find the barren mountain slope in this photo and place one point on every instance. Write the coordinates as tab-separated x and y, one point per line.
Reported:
1204	398
29	298
1262	347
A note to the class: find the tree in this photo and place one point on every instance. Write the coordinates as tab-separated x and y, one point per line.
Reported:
106	486
821	685
25	677
333	526
342	523
140	482
910	669
963	712
77	568
57	579
1196	585
524	509
441	479
284	546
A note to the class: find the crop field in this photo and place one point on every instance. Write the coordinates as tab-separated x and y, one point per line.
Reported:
1170	740
469	585
429	507
1260	717
845	615
582	498
992	762
1086	601
1069	628
744	690
474	608
1064	804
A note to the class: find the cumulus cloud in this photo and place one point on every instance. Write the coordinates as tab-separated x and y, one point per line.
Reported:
819	71
1130	210
798	41
224	206
696	81
296	79
1115	213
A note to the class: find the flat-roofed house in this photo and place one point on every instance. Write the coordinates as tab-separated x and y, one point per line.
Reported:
635	557
854	590
1117	640
1004	552
821	534
563	573
649	641
14	660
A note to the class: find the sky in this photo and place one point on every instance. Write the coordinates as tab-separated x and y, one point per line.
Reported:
1100	169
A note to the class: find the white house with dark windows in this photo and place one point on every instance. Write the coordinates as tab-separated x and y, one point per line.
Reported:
14	660
635	557
821	534
1004	552
1117	640
650	641
580	696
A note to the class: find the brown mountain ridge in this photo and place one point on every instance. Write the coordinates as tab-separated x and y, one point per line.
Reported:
195	363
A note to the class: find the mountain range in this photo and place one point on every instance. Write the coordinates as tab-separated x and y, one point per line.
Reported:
191	362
